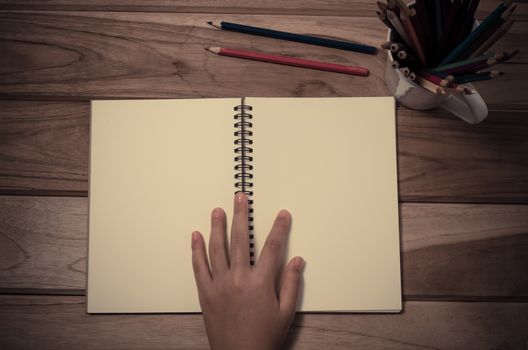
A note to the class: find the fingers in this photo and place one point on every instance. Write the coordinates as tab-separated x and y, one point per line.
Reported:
217	242
239	247
290	286
202	273
271	257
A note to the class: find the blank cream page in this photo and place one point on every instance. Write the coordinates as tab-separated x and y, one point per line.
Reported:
157	169
332	163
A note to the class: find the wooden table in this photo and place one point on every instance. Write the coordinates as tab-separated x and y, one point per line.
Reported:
463	188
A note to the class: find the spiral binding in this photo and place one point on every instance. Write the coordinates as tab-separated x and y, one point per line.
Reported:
243	164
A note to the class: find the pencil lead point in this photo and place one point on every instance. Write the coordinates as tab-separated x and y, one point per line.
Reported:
210	22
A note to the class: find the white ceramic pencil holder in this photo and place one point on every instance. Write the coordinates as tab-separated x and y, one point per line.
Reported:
468	107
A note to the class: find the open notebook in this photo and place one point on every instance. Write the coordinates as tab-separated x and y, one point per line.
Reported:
158	168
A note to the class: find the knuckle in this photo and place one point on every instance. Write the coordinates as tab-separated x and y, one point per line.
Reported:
196	269
238	240
274	244
216	248
238	283
260	282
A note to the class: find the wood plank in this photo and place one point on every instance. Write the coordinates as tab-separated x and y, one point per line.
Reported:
44	150
87	55
355	8
44	147
443	159
449	251
60	322
43	243
464	251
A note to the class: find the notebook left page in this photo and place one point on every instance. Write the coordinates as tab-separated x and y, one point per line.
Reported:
157	169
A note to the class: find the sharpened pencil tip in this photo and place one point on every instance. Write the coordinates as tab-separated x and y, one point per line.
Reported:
213	49
215	24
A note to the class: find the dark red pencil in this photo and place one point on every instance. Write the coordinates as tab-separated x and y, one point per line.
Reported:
290	61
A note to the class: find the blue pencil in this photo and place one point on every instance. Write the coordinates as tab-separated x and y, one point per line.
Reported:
306	39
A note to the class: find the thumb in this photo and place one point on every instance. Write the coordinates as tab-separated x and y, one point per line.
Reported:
290	286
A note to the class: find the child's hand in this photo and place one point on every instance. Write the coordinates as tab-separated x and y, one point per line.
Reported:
242	305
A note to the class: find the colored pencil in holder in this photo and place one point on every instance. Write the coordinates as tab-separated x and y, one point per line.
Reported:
467	78
407	57
382	6
448	26
420	32
383	17
405	71
426	84
398	26
391	4
477	65
473	67
491	31
403	7
474	35
409	29
396	46
457	30
433	78
439	21
470	18
386	45
480	58
432	31
494	37
422	17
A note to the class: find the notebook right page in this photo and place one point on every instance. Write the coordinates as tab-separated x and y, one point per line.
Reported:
332	163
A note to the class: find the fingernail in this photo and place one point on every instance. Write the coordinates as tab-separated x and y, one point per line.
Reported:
240	197
195	236
299	263
283	214
217	213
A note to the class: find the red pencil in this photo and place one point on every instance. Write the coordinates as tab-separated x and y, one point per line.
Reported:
289	61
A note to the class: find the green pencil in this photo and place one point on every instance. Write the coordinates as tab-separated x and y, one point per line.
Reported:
470	39
481	58
468	78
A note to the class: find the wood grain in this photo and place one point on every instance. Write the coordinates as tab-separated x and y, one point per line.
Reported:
354	8
443	159
44	146
450	251
87	55
44	150
464	251
60	322
43	243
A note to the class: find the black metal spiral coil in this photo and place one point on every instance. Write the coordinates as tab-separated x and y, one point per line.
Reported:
243	164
